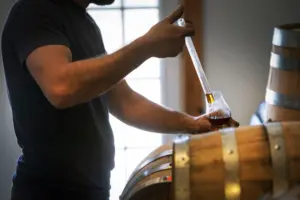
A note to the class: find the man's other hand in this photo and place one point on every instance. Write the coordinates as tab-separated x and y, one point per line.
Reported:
166	39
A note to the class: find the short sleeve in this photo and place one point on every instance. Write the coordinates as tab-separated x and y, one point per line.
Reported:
35	27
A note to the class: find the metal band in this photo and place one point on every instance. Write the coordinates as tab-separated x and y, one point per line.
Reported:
158	180
286	38
292	194
278	155
284	63
182	169
135	180
148	161
231	160
282	100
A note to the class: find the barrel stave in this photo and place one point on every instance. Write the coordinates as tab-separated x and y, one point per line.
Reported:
208	174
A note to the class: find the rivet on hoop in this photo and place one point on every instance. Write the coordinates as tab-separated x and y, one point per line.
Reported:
230	151
277	147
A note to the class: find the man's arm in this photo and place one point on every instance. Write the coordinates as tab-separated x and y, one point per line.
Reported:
66	83
135	110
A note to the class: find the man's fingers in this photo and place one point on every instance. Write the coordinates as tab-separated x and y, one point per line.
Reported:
188	22
175	15
189	25
188	32
234	123
204	127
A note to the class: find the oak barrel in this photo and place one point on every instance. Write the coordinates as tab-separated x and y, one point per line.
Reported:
152	177
283	88
242	163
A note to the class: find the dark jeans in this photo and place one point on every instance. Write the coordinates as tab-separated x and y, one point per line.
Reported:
29	188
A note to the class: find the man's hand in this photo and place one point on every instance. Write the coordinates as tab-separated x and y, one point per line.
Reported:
204	125
224	124
166	39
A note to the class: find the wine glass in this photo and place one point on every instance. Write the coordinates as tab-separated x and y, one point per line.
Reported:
218	110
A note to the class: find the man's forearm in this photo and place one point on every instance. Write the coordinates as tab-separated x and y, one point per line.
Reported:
144	114
86	79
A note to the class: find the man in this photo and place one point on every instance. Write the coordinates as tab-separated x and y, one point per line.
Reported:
61	91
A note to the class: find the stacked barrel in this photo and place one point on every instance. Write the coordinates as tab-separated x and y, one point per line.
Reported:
283	89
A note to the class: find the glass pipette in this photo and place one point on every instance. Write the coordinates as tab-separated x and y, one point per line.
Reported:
197	64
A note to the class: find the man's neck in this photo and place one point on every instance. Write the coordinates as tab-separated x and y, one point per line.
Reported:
82	3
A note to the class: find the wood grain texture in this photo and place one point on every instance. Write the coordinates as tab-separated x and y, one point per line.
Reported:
255	166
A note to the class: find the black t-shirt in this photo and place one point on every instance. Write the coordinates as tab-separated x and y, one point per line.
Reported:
74	144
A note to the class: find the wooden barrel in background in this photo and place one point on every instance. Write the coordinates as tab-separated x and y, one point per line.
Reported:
244	163
283	89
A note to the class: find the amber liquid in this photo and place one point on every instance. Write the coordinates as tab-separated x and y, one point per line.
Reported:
219	121
210	98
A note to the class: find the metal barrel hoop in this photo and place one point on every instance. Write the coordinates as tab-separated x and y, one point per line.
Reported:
278	158
139	175
282	100
130	191
181	169
282	62
286	38
231	161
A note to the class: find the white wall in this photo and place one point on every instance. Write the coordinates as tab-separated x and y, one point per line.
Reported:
238	38
9	150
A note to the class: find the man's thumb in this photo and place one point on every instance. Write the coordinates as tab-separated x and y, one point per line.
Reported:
175	15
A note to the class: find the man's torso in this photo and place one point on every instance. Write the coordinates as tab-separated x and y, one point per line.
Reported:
73	144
